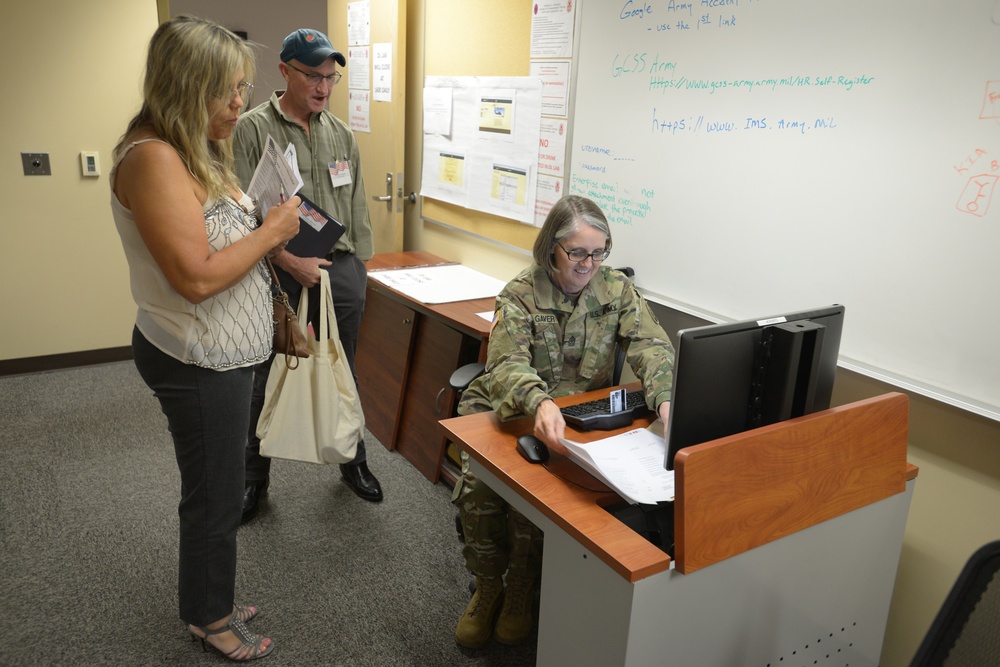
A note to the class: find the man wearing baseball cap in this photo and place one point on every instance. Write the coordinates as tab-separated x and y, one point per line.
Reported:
330	165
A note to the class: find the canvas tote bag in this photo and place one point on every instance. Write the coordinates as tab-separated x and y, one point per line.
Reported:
313	413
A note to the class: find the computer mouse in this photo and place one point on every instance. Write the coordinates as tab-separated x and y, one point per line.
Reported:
532	449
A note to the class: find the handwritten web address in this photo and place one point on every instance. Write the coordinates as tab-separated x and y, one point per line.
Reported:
710	86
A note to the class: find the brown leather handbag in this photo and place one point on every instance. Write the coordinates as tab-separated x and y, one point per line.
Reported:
289	339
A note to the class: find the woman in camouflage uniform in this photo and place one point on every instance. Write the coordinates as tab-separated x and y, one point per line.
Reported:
554	334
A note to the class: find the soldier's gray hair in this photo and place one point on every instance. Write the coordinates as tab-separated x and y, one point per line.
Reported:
564	219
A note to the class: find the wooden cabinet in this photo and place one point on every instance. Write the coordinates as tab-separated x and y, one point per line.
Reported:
406	353
440	350
381	358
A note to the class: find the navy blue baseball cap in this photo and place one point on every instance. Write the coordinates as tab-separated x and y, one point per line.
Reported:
310	47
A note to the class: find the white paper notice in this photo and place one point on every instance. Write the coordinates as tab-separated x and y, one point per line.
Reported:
437	111
509	188
552	29
359	105
382	72
359	23
496	115
358	64
555	86
552	147
550	189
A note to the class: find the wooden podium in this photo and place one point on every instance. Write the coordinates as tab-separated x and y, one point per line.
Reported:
787	542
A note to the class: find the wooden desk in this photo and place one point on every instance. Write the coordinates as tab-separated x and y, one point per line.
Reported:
791	558
406	353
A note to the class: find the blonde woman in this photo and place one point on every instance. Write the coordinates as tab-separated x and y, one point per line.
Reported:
195	249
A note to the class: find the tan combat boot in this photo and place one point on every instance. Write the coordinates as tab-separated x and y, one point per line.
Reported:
476	625
515	621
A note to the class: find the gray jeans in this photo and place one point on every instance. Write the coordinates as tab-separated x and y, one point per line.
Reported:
207	413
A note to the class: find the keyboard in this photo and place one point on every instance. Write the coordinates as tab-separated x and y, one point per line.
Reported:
597	415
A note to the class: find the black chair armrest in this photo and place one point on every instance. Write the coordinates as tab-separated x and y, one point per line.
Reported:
463	376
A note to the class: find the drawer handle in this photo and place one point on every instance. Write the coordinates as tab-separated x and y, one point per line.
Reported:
437	402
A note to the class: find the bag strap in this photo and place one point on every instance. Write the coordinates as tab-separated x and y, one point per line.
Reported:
303	313
275	284
328	329
324	315
278	294
327	293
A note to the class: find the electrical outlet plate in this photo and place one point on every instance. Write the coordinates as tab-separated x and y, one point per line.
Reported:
36	164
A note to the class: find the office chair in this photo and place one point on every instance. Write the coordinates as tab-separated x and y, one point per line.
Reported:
966	631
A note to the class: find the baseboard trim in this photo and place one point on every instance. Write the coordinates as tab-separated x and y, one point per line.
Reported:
53	362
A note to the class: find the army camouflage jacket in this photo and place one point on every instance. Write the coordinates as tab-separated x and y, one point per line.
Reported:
545	345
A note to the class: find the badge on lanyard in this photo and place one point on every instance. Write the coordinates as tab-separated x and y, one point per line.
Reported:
340	173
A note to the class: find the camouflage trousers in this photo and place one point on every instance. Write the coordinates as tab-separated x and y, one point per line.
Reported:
498	538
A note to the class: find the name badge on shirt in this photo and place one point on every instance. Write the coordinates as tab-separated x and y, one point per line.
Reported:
340	173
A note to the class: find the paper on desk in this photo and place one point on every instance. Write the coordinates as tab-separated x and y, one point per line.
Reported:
630	463
273	176
442	283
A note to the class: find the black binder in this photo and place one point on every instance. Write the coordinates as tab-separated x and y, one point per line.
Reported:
318	231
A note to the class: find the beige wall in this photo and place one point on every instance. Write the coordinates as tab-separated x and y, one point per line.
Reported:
60	250
488	38
73	74
266	24
955	509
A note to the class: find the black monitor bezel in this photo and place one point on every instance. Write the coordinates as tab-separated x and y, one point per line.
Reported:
708	385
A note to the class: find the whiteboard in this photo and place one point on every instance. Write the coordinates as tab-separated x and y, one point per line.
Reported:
761	157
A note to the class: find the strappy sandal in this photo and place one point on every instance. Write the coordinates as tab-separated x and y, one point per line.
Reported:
247	613
250	644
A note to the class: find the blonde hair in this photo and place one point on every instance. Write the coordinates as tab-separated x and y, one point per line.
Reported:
190	65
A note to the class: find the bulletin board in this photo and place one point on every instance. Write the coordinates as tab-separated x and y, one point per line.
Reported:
483	38
481	138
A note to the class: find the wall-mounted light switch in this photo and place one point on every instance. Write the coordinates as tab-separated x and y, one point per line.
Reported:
36	164
90	163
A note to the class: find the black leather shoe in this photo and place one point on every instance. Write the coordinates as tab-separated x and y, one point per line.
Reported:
362	481
251	499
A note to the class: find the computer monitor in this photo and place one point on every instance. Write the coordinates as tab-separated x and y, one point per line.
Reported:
733	377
